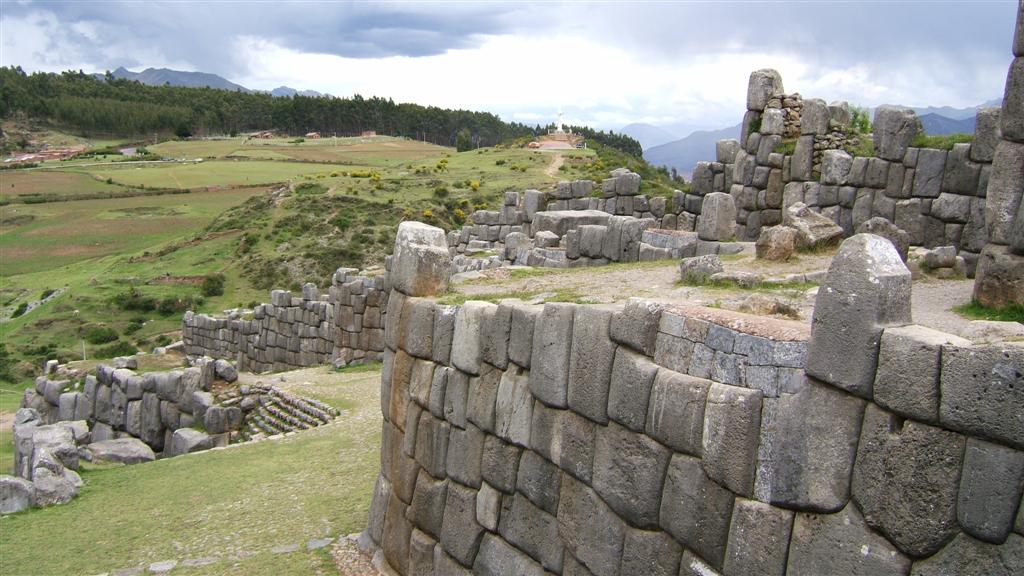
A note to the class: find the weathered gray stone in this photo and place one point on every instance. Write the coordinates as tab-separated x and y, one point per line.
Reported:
1011	121
776	243
630	389
990	489
552	346
696	510
881	227
999	277
500	463
950	207
187	440
1005	189
426	511
907	379
533	202
725	151
532	530
546	431
717	219
488	507
998	370
465	448
808	449
802	162
841	543
121	450
762	86
397	532
815	117
758	539
931	165
498	558
495	336
835	166
460	532
575	439
675	414
420	264
421	554
905	481
866	289
51	488
986	134
470	320
417	327
894	129
699	269
961	175
589	529
455	398
561	221
432	444
513	410
965	555
628	473
636	325
539	480
812	229
444	329
16	494
590	363
219	419
520	342
650	553
732	426
225	370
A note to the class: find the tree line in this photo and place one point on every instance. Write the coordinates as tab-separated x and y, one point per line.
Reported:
104	104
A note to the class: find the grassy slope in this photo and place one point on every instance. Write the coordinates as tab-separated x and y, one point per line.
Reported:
224	504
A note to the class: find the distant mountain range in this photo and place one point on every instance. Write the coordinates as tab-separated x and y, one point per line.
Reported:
166	76
684	153
649	135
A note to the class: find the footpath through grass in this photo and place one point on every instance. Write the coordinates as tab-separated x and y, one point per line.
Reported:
234	505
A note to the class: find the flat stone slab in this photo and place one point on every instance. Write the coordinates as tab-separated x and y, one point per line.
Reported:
772	328
286	549
317	543
162	567
197	562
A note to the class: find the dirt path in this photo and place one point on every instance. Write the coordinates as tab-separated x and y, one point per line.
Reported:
556	162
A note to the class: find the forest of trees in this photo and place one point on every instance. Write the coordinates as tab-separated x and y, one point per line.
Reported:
99	105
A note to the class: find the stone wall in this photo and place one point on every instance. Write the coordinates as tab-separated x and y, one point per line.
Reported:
344	326
654	439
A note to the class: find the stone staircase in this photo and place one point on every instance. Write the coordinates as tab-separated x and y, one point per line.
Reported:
270	411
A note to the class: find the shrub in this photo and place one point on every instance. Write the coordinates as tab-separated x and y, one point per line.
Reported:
173	304
213	285
499	162
134	300
119	348
860	120
463	140
133	327
46	293
474	185
428	214
441	192
100	335
20	310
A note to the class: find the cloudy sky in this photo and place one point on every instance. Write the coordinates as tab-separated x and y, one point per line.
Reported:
606	64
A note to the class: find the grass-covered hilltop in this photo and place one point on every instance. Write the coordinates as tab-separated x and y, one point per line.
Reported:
104	249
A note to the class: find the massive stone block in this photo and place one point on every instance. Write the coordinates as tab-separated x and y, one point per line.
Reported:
428	500
432	444
628	473
520	341
717	219
999	277
815	117
539	480
675	414
500	463
808	449
513	411
460	532
420	265
498	558
552	346
986	134
636	325
495	336
561	221
482	398
532	530
758	540
466	342
931	165
575	440
866	289
894	129
841	543
589	529
965	555
465	449
982	392
417	327
1005	189
990	490
732	427
630	389
590	363
1011	121
905	481
907	380
696	510
652	553
762	86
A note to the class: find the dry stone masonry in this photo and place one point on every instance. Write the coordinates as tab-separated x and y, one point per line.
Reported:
671	439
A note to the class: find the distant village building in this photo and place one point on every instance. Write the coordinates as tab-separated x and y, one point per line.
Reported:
262	134
312	135
369	133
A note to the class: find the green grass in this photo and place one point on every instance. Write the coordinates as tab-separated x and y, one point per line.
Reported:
557	295
940	142
223	503
21	185
206	174
975	311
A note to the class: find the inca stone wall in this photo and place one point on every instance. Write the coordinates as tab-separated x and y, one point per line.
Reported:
654	439
344	326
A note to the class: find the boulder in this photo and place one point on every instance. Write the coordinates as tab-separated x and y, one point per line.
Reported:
187	440
940	257
52	487
16	494
999	278
986	134
717	220
1005	190
815	117
225	370
421	264
699	269
894	129
881	227
121	450
776	243
812	229
835	166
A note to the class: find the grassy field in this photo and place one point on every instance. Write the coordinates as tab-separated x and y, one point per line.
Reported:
17	185
206	174
234	505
